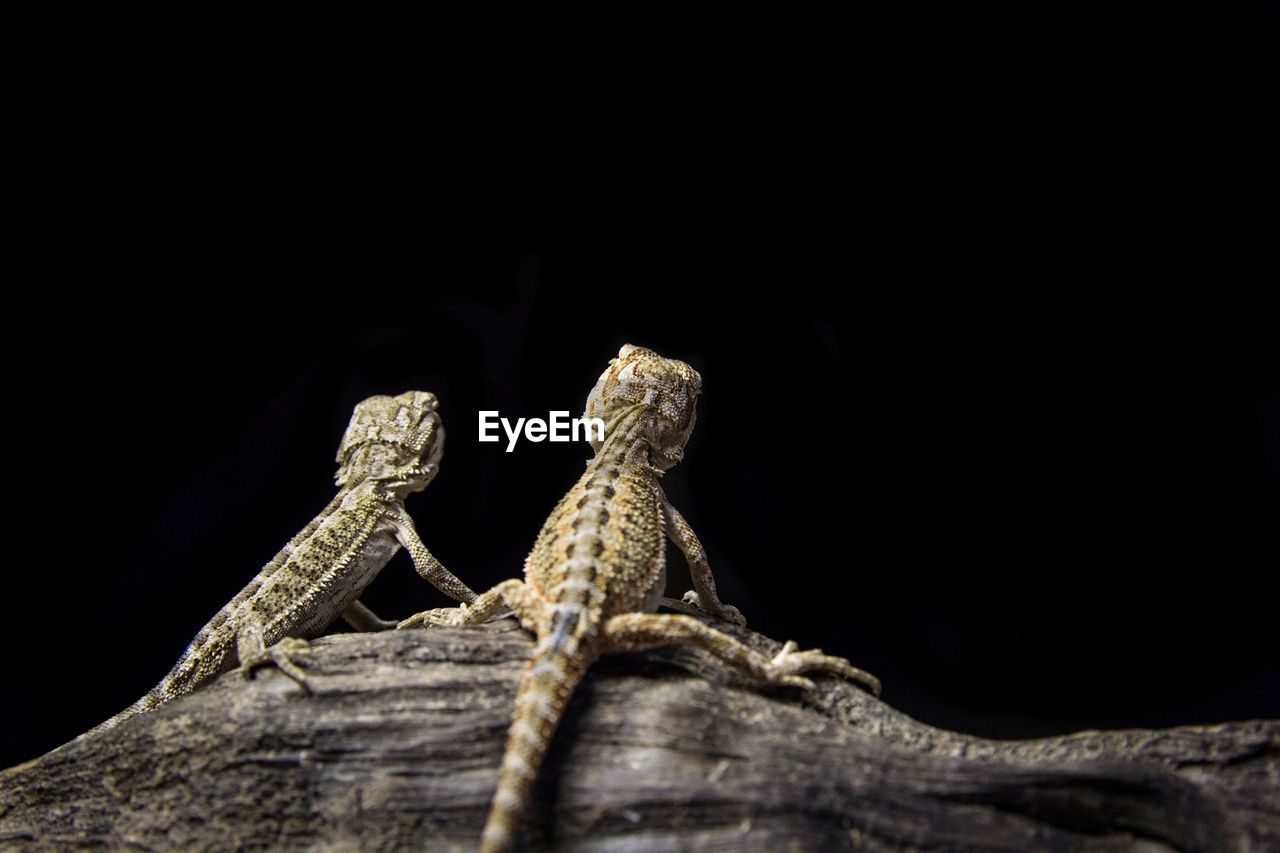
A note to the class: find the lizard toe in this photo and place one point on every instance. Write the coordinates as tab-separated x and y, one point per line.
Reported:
813	660
727	612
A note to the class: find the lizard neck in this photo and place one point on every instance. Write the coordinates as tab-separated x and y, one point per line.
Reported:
626	444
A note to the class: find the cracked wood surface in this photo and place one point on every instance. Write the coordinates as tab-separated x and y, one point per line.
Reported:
400	744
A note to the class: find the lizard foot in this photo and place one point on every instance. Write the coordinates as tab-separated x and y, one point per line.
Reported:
727	612
789	663
441	616
281	657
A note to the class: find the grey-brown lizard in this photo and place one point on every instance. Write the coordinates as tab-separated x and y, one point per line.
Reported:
391	448
598	567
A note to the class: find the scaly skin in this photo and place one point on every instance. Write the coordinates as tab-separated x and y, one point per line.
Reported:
391	448
597	570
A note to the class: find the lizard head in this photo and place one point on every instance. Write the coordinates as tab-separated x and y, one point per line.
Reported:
666	387
397	440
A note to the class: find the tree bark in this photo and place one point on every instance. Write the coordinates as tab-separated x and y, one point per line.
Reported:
399	745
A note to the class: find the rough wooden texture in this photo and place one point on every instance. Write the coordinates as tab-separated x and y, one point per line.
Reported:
400	744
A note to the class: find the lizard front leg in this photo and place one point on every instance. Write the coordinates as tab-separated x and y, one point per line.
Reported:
253	653
513	594
431	569
703	595
634	632
361	618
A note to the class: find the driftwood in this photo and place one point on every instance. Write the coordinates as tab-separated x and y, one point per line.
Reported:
399	746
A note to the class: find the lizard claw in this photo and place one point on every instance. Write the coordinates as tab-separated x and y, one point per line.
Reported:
789	663
281	657
727	612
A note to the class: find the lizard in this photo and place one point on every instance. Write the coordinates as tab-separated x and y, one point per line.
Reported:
390	449
596	572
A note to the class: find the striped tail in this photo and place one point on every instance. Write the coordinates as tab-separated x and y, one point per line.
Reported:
548	683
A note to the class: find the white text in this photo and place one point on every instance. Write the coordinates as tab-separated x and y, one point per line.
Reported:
558	427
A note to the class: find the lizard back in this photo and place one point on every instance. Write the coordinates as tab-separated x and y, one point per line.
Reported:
603	547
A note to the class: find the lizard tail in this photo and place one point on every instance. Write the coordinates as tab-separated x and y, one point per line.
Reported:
153	699
549	680
185	677
146	703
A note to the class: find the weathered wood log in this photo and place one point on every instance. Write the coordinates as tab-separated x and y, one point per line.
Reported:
398	747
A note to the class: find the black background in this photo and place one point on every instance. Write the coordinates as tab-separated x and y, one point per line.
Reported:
1029	508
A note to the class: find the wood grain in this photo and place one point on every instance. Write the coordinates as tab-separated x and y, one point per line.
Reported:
398	748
